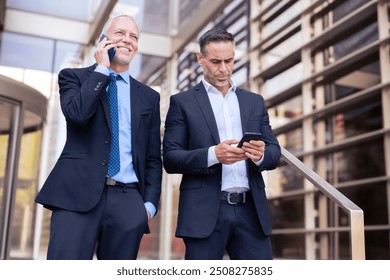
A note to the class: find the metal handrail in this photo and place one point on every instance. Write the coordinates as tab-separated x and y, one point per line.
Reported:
355	213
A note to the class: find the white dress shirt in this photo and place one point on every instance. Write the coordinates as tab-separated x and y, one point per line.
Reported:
227	115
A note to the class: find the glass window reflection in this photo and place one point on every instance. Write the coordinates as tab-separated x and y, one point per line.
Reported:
289	246
23	221
26	52
287	212
67	55
74	9
372	199
365	160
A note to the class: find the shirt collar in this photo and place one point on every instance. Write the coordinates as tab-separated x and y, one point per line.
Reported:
124	75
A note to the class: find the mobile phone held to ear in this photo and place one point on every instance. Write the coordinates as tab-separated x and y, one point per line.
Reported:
111	52
249	136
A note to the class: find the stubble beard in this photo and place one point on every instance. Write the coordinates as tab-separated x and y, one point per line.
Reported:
214	81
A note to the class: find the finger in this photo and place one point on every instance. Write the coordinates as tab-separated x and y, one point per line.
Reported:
231	141
103	43
254	144
253	157
148	213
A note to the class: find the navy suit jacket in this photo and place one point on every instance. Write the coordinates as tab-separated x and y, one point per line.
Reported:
77	180
190	129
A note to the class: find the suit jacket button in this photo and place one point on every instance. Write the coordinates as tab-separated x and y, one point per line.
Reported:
104	162
107	141
97	87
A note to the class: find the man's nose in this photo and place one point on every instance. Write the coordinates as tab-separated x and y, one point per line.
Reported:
126	38
222	66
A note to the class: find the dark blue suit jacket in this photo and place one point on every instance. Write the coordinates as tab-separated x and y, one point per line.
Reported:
77	180
190	129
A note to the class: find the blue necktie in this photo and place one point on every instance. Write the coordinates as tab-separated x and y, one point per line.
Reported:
114	162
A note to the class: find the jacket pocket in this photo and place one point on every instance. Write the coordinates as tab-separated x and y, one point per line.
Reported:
146	111
72	155
191	182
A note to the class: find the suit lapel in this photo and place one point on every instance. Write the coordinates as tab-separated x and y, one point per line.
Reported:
205	106
106	108
244	112
135	100
103	99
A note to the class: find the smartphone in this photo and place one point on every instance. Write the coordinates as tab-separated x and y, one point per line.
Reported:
249	136
111	52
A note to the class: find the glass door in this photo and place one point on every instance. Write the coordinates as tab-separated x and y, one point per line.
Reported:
9	123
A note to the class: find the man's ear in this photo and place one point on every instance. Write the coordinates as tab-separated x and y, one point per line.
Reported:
200	58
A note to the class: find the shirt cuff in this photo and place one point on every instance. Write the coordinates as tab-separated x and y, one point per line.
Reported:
150	207
259	161
102	69
211	157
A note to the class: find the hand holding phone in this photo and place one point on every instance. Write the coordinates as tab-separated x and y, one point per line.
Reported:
111	52
249	136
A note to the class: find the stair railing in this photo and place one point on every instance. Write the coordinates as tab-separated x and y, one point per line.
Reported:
356	216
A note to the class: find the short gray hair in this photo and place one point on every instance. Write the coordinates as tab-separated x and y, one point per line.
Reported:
108	22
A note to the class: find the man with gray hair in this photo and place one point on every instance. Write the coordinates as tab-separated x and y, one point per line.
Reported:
106	184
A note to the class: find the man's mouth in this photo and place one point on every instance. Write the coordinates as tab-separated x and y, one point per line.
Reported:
124	48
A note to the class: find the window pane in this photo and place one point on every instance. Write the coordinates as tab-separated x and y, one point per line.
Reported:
287	111
356	120
377	245
154	15
372	200
67	55
75	9
288	179
364	117
344	245
6	111
284	80
288	246
356	41
362	161
23	222
287	212
282	18
280	51
26	52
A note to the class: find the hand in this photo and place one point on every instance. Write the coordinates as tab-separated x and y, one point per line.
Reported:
101	52
227	153
254	149
149	216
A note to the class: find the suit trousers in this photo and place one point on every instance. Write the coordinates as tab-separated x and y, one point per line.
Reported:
112	229
238	233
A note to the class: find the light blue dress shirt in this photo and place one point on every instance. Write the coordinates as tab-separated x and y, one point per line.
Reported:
126	173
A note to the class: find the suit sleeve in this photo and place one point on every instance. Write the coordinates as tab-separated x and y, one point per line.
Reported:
178	156
153	165
80	94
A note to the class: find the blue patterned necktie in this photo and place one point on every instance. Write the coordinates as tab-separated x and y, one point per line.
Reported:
114	162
